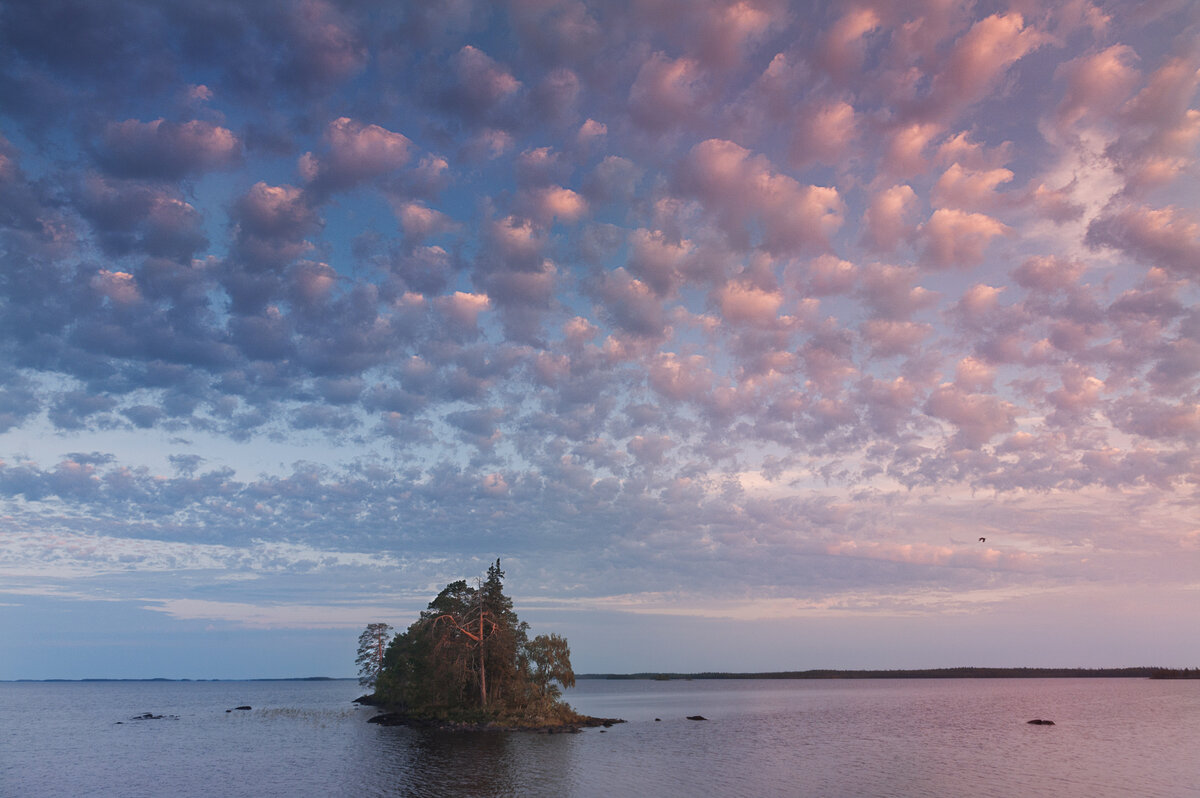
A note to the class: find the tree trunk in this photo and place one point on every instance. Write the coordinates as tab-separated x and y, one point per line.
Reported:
482	665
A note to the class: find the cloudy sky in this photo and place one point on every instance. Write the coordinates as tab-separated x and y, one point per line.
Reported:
749	334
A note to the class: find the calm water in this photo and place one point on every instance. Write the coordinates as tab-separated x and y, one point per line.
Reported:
1114	737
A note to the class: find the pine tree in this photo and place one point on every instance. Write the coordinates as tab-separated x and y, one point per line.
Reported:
372	645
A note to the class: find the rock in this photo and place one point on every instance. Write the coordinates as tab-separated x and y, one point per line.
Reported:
389	719
244	706
658	720
696	717
1040	722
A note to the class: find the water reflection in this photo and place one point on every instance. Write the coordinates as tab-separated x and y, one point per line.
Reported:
427	762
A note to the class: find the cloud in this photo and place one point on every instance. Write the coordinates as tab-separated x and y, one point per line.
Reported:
271	225
1168	237
957	239
357	152
887	219
163	150
482	86
667	92
978	417
980	56
1096	83
739	186
129	216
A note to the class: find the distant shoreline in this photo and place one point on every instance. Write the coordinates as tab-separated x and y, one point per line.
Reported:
161	679
1141	672
918	673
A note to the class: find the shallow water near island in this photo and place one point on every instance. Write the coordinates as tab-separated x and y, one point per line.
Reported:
952	737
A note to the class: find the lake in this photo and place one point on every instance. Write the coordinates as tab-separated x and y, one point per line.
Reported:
921	737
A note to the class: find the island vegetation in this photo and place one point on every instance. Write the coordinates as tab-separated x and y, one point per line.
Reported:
468	660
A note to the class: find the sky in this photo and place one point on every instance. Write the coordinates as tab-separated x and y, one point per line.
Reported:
748	335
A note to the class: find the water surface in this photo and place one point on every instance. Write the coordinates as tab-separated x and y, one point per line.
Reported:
924	737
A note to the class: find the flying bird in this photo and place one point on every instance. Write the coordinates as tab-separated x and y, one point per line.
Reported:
983	540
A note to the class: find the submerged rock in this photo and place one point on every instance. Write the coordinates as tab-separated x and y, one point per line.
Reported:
696	717
152	716
244	706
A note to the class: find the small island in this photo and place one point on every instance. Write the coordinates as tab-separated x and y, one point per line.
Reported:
468	663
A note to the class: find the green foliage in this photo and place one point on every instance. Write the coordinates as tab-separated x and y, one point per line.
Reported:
469	658
372	644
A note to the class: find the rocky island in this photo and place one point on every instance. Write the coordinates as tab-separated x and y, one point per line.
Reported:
468	663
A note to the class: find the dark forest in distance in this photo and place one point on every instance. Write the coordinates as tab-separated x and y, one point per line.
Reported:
922	673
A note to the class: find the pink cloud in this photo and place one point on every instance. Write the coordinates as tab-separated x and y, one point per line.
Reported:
732	28
632	304
591	132
490	143
272	222
666	91
928	554
168	150
1167	95
973	375
980	56
556	202
518	241
824	133
119	287
657	259
954	238
963	150
483	82
356	152
890	293
979	300
889	404
741	302
463	308
419	221
903	155
1159	420
614	179
841	52
1048	273
1080	394
1166	237
325	48
979	417
968	189
887	337
829	275
680	378
1162	130
1096	84
737	184
312	283
1056	204
649	450
887	220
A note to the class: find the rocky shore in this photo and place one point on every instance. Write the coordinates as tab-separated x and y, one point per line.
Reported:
392	716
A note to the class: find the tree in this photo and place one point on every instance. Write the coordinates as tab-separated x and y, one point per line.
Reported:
468	656
550	659
372	645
